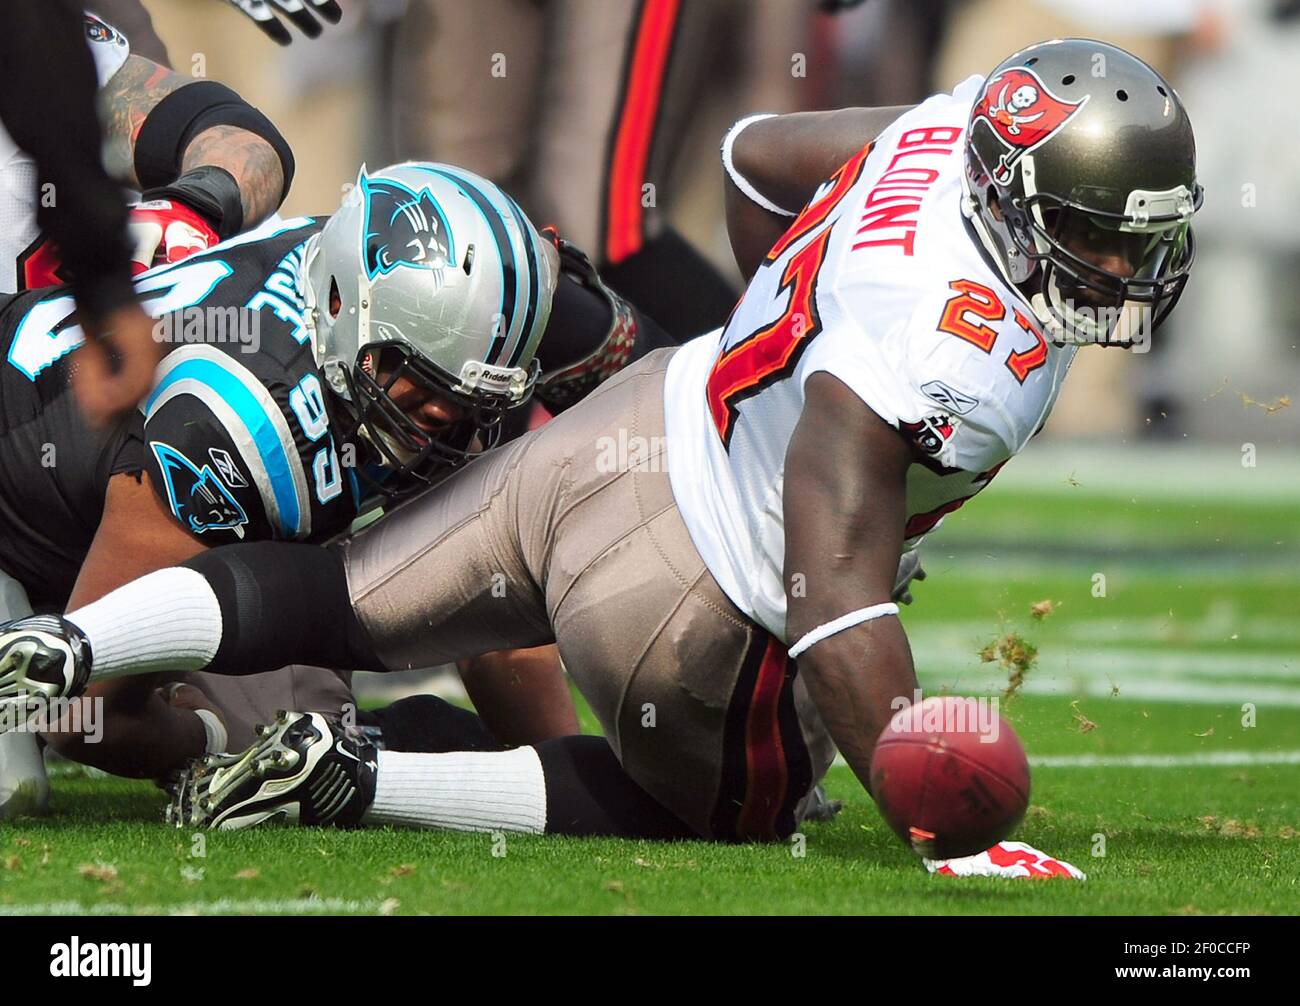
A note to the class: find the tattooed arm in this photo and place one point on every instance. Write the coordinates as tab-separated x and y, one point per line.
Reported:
136	89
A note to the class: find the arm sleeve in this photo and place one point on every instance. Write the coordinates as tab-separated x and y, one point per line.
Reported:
47	102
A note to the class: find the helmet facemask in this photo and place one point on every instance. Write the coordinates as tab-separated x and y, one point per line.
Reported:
1081	187
409	456
428	282
1103	277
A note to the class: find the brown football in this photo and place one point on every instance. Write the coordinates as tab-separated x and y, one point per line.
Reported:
950	776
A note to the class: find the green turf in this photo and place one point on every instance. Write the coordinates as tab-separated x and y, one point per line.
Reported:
1182	613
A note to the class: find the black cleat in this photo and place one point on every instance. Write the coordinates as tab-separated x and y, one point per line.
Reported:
302	769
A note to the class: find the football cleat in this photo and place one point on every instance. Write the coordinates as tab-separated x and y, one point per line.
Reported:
42	657
302	769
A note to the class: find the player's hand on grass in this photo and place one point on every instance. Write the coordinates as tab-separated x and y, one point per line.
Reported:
102	392
300	12
1006	859
163	231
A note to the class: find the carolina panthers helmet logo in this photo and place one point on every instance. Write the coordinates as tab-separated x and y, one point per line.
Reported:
403	228
198	498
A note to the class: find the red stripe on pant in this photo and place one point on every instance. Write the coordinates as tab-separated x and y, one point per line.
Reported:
766	776
624	227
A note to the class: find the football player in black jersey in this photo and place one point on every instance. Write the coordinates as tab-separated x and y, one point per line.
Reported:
167	135
209	166
271	420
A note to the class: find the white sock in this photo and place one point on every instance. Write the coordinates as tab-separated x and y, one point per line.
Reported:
461	791
167	621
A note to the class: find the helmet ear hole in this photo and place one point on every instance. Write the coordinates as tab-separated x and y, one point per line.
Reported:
994	206
468	264
336	301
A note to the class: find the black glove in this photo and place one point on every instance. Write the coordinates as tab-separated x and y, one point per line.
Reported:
298	11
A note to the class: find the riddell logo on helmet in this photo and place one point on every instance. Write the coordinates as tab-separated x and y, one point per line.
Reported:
1022	113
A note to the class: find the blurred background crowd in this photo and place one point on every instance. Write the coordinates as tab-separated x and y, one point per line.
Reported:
603	117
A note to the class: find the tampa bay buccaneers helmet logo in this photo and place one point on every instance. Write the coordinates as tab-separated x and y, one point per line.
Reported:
1022	113
403	228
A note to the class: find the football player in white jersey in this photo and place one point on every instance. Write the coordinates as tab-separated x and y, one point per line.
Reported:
712	537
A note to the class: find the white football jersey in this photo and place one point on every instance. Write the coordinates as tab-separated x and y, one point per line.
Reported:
18	196
879	283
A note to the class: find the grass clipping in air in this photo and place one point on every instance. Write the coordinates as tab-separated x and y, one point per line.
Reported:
1014	653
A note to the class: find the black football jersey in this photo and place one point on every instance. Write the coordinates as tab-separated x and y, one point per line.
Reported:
235	435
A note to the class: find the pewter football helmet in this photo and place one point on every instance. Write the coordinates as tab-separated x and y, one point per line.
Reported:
1076	143
439	277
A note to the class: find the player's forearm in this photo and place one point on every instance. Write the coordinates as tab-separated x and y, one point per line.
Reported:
522	695
136	90
250	159
774	165
751	229
125	101
855	679
787	157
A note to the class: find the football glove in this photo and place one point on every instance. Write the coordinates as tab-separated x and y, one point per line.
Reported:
163	231
262	15
909	569
1006	859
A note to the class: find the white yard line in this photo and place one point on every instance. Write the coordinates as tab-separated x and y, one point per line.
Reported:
1096	629
222	906
1213	758
933	652
971	681
1217	759
1151	472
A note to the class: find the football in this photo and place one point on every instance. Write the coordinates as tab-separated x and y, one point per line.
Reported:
950	776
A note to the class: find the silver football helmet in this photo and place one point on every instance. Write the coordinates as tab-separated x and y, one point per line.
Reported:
1077	144
430	273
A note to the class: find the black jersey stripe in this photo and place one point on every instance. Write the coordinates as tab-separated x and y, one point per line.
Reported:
508	266
534	286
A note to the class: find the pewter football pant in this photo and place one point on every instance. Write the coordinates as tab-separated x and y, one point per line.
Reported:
565	535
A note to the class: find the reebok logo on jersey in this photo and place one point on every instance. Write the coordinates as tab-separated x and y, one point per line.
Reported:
227	469
198	498
953	401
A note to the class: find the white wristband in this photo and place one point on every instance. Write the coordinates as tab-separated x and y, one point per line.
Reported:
853	618
739	180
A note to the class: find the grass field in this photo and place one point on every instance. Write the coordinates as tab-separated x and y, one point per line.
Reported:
1145	774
